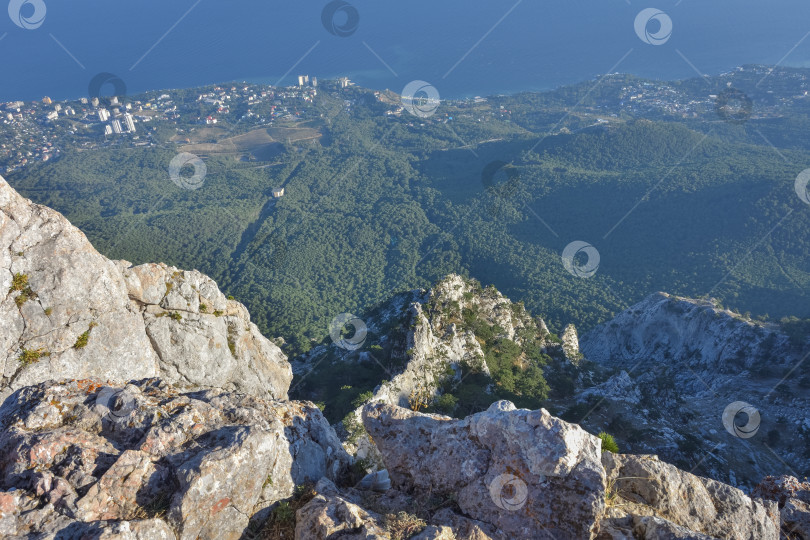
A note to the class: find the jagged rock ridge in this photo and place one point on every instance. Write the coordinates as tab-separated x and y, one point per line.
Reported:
678	363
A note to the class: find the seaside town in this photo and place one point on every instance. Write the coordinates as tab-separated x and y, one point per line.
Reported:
39	131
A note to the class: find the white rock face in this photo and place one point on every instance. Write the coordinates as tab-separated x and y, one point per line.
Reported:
570	344
202	338
71	313
662	324
438	347
74	286
433	351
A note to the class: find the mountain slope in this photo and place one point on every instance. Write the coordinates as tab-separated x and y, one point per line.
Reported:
659	377
381	204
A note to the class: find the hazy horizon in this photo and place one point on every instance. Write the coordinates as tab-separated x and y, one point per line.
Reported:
483	49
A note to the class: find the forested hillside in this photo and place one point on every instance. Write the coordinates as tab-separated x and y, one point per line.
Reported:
382	203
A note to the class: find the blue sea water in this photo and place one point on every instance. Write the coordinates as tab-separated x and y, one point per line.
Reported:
462	47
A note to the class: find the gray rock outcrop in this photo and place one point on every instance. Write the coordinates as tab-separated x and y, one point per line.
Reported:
518	470
527	474
147	458
67	312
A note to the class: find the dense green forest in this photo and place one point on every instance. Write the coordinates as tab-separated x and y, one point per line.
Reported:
385	203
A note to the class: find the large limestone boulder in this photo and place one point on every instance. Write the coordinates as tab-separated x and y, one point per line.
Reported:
86	456
645	489
203	339
524	472
67	312
62	286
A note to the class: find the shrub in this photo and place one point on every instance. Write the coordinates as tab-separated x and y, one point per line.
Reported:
608	443
353	427
360	400
446	404
281	521
176	316
403	525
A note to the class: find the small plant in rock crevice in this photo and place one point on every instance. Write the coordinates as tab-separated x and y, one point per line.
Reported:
20	283
81	341
32	356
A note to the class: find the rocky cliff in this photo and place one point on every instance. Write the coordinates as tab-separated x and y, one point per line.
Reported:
68	312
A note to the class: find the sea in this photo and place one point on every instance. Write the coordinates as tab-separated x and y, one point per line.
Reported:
462	48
